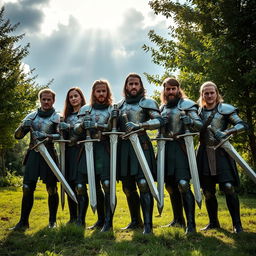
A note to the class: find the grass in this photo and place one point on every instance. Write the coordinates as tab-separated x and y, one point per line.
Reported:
71	240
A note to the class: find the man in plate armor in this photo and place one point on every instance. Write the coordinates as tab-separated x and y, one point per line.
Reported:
179	114
144	113
99	112
217	166
41	124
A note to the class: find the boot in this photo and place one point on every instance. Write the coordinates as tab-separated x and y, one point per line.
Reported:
189	207
146	200
72	211
133	201
212	209
234	209
26	206
83	202
53	202
108	225
100	210
177	208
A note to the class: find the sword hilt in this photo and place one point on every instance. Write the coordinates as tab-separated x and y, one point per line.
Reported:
114	120
182	115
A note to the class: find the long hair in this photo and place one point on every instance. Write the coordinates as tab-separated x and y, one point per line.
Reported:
143	91
109	93
68	109
172	82
201	101
46	90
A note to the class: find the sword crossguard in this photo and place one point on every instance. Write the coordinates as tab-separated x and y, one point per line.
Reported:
163	139
222	142
113	132
64	141
187	134
39	143
130	133
90	140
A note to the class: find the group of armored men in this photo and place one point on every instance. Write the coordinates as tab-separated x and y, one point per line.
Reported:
133	115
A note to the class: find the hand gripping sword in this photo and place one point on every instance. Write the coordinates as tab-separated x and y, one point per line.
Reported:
113	135
40	147
189	142
62	142
133	137
88	146
227	146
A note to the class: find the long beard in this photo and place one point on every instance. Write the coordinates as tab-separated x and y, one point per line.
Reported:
173	102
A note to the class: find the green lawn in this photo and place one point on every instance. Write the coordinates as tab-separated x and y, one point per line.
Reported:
71	240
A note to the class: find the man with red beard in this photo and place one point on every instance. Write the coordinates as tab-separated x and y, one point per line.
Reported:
144	113
179	113
100	109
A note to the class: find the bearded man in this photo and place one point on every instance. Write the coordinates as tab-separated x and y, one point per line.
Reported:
141	112
179	114
99	110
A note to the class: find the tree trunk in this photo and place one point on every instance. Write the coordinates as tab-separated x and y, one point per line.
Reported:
251	134
2	163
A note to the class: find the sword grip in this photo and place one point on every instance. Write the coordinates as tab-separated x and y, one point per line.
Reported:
114	120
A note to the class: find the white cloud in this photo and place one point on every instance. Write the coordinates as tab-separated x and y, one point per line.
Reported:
76	55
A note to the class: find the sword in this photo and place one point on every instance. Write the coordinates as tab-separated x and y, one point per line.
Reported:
41	148
113	135
189	142
227	146
88	146
62	142
133	137
160	168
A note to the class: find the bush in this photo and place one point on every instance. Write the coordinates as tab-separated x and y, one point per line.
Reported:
11	179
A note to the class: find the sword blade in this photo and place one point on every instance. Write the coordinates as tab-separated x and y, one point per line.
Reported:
62	167
193	169
227	146
160	173
91	174
144	165
48	159
113	151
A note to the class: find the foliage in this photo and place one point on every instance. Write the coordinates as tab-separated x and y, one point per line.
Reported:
73	240
211	40
10	179
18	90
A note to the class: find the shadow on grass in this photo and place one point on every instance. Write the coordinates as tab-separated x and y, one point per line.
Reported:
75	241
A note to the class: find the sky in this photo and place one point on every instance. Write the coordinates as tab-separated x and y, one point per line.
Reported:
77	42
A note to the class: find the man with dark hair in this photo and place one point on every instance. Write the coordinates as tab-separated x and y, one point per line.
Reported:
41	124
216	166
179	114
144	113
99	110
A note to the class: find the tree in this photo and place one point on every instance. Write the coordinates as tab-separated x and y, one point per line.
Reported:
18	90
212	40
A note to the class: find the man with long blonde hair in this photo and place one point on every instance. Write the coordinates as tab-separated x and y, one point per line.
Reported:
100	110
216	166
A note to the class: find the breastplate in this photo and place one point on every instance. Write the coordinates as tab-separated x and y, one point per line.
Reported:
72	119
134	112
100	116
174	124
44	124
219	122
